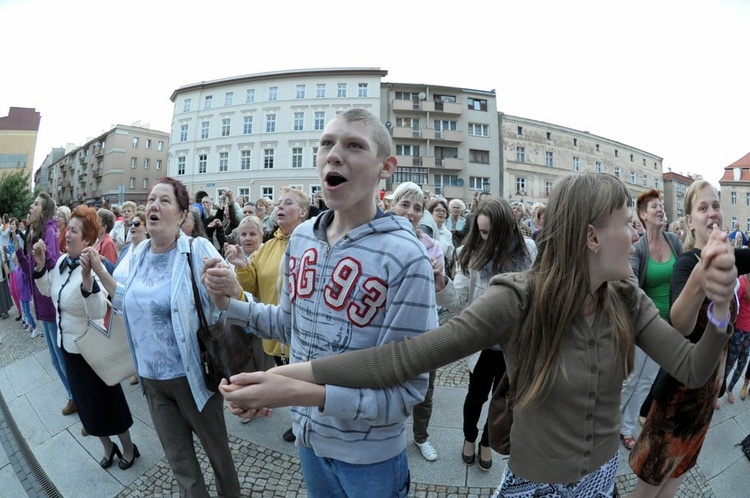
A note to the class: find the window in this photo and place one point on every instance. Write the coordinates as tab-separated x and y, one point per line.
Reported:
549	159
407	150
733	197
479	156
202	163
644	161
225	127
362	90
204	130
186	105
656	183
135	142
296	157
575	142
245	160
273	93
319	120
320	91
133	162
597	147
408	123
416	175
598	167
519	131
576	163
266	192
521	185
181	165
247	125
520	154
645	181
341	90
549	135
478	104
145	183
160	146
270	123
208	101
223	161
132	182
315	157
617	171
183	133
244	192
250	96
547	187
734	222
413	96
146	163
616	153
747	199
479	183
299	92
632	177
299	121
148	143
268	155
445	125
479	130
631	158
158	164
228	98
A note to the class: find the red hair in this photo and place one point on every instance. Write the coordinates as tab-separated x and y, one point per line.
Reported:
90	222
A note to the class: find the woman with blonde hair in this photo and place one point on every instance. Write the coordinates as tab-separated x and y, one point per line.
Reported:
676	426
566	328
121	228
62	216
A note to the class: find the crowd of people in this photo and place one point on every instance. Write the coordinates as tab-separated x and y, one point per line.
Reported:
602	316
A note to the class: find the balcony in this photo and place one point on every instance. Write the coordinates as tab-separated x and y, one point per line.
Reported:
98	152
83	159
97	171
436	106
82	177
452	163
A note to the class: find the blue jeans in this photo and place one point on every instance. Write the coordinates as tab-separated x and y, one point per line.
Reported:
50	334
329	478
26	307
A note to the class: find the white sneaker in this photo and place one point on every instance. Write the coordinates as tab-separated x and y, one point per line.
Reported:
35	333
428	451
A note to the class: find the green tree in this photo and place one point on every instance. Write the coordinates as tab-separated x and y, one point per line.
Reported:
15	194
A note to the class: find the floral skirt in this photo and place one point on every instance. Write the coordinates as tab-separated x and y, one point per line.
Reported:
599	484
675	429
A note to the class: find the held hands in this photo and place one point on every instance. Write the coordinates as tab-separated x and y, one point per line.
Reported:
437	273
40	252
215	223
719	271
90	257
220	282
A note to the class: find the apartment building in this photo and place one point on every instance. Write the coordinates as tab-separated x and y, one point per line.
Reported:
537	153
447	139
735	193
18	132
675	186
117	166
255	134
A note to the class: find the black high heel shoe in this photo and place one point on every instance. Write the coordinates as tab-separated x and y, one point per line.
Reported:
483	464
125	464
468	459
107	462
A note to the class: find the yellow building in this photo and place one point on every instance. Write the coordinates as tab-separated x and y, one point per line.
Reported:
18	132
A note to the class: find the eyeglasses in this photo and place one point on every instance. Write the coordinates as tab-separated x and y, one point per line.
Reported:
135	223
440	210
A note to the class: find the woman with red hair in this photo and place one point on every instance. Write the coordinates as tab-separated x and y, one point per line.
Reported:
78	296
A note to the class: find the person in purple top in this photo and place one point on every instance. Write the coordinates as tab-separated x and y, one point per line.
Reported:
42	225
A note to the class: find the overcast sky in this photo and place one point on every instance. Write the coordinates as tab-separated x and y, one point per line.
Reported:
669	77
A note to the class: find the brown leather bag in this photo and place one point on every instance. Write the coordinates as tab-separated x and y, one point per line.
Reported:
225	349
500	417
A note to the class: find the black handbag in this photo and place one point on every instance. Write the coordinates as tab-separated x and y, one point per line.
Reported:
225	349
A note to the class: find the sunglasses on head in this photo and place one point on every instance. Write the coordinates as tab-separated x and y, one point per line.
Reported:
135	223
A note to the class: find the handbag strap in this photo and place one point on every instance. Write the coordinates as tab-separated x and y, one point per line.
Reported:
196	293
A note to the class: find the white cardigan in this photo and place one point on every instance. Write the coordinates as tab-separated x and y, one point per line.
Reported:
73	310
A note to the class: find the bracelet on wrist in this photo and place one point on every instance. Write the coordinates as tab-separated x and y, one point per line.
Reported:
719	324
